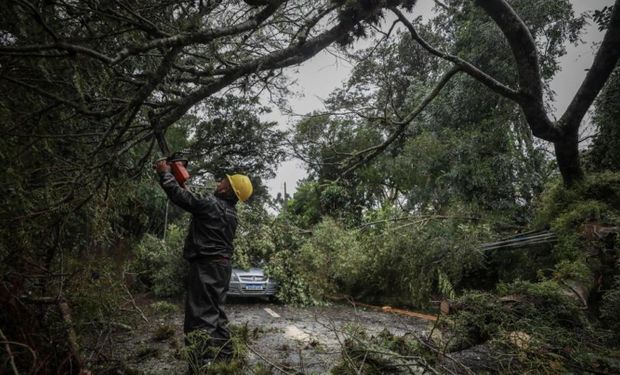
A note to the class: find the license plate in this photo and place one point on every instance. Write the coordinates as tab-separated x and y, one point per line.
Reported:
254	287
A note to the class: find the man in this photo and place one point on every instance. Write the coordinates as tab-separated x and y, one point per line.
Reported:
208	249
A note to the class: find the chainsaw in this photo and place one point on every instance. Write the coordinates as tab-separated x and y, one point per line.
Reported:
177	160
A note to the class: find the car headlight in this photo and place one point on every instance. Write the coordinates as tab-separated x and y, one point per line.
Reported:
235	277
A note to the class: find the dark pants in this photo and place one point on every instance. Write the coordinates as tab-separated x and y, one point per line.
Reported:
207	285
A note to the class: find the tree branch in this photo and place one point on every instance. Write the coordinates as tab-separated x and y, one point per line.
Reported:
530	80
370	153
200	37
39	18
604	63
464	65
278	59
9	352
178	40
292	55
79	108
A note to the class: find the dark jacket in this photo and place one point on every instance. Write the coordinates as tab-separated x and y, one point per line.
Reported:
214	220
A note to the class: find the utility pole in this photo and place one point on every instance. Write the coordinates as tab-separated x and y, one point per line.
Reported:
284	200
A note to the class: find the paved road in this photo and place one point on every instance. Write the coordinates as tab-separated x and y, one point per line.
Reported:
308	339
304	339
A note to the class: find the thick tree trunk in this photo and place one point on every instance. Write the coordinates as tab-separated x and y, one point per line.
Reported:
564	133
567	156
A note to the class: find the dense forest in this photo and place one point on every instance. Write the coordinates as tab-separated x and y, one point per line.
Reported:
438	176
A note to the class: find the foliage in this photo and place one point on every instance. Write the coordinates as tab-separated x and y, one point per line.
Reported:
65	254
273	243
283	265
330	260
78	132
602	17
305	207
464	23
199	346
393	257
468	146
91	81
568	211
164	308
127	69
160	264
293	286
253	242
604	152
383	353
97	292
412	259
610	306
582	253
312	201
234	140
530	327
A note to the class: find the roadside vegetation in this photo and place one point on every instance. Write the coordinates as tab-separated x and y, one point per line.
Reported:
439	142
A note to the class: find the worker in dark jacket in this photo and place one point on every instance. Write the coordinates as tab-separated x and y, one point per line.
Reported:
208	249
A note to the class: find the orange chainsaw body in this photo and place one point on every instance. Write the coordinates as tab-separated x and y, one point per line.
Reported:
179	171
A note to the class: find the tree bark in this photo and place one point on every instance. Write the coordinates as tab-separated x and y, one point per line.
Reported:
564	133
567	157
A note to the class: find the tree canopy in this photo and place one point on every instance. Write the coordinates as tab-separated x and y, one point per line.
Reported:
439	140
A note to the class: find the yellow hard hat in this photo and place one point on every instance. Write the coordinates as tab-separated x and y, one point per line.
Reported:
242	186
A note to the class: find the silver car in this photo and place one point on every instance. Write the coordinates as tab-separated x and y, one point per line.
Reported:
251	283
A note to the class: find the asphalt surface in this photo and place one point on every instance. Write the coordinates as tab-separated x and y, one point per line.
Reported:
304	340
309	339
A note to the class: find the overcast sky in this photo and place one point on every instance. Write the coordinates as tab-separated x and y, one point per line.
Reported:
318	77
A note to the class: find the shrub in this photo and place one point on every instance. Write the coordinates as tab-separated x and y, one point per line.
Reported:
398	261
164	308
566	210
96	292
610	307
596	200
160	264
530	328
254	242
424	257
294	286
331	259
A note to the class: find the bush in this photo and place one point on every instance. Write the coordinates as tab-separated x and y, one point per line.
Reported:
331	260
159	263
397	261
530	328
96	293
580	255
424	257
566	210
285	266
610	307
199	346
254	238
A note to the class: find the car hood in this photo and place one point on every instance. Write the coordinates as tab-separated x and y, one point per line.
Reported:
250	272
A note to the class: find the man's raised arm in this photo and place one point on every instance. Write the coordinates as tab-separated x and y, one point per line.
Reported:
177	194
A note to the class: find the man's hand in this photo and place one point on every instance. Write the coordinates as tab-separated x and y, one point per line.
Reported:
162	166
